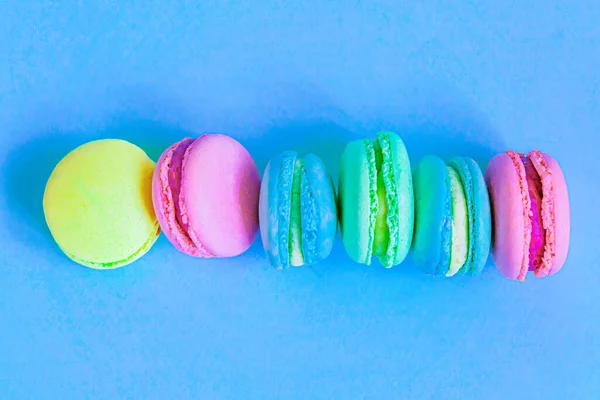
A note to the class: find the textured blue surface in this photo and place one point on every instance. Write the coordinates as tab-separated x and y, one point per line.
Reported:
319	212
451	77
275	208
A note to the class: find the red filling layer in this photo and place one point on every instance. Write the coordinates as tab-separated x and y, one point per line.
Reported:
538	235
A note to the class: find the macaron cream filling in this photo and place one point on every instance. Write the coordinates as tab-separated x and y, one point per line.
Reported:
547	213
381	234
460	226
535	180
534	188
295	243
472	263
301	235
383	199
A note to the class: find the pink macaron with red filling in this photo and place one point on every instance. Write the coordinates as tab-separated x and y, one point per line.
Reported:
205	193
530	208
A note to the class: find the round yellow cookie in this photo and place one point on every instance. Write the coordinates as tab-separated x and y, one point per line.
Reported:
98	204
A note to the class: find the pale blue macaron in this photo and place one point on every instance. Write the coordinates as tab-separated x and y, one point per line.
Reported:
297	210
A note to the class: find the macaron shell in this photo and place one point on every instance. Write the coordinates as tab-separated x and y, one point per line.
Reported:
561	211
508	248
275	208
433	216
357	194
479	214
220	187
404	197
319	211
98	204
166	187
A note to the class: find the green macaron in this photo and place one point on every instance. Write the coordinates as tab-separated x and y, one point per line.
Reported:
376	200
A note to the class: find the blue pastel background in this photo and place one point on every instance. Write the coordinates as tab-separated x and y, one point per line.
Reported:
451	77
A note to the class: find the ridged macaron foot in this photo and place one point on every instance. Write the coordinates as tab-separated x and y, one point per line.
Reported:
531	214
205	193
297	210
98	204
376	200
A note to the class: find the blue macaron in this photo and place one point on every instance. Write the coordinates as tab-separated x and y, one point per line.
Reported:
297	210
452	217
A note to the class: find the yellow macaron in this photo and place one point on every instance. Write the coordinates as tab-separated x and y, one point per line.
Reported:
98	204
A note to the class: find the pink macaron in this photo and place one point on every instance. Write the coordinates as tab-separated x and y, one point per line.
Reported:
205	193
530	207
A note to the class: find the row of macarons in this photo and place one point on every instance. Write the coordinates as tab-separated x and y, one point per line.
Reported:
106	203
